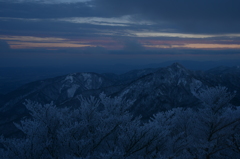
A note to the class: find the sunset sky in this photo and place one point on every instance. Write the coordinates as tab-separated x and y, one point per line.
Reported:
109	32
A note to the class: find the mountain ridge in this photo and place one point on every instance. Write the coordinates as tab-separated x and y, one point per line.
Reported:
152	90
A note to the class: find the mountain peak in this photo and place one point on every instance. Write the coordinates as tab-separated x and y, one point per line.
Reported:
177	68
177	65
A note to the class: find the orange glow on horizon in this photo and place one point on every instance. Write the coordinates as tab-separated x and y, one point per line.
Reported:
30	42
27	45
212	46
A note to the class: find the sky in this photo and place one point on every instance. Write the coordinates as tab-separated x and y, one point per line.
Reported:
84	33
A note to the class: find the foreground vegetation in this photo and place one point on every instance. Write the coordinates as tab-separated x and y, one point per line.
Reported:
104	129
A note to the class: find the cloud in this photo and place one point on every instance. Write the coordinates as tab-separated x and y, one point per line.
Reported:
94	50
47	27
30	42
4	46
159	34
200	16
115	21
132	46
46	1
45	10
192	17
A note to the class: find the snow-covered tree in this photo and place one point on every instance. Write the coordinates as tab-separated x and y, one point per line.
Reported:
41	133
104	129
215	98
212	131
178	125
97	129
216	123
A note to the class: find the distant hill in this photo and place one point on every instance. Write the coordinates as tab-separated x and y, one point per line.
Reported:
12	78
152	90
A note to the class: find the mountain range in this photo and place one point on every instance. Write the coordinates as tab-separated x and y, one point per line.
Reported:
151	90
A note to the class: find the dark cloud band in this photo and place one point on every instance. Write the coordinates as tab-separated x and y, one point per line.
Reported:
190	16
